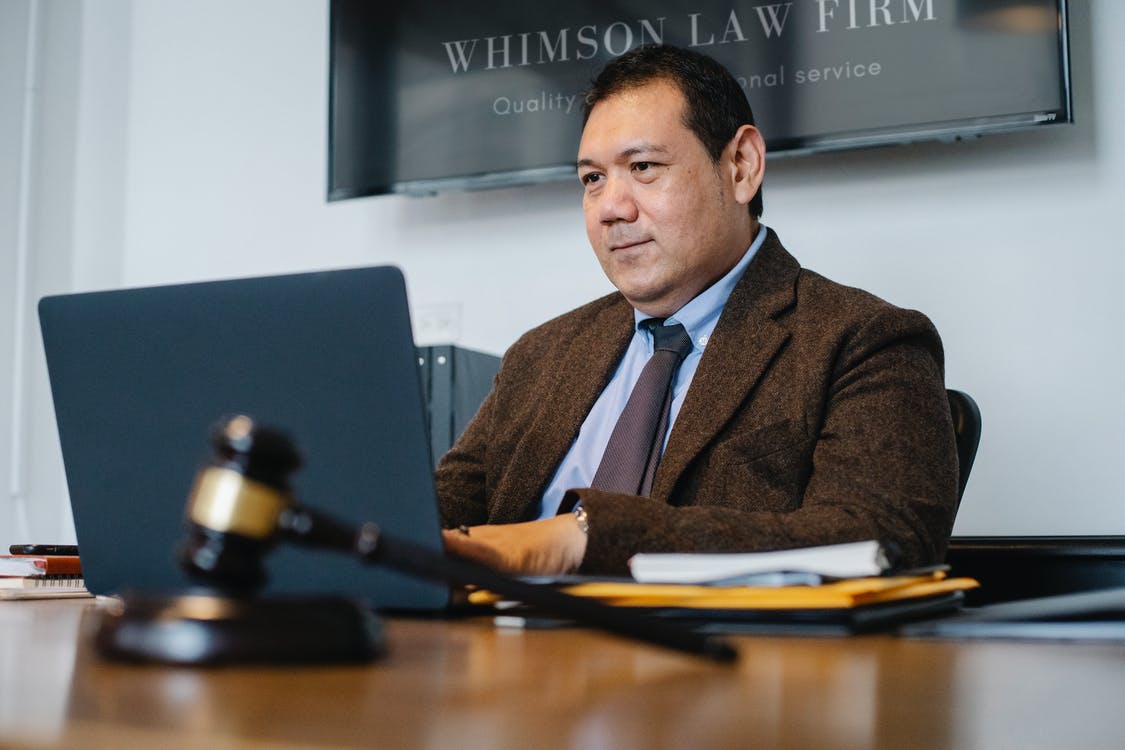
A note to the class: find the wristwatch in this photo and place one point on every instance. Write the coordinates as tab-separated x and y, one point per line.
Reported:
582	519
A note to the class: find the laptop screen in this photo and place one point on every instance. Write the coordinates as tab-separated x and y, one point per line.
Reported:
140	376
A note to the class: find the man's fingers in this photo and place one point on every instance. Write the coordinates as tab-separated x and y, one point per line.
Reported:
464	545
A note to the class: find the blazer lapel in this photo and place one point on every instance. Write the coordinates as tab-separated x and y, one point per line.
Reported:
580	375
745	341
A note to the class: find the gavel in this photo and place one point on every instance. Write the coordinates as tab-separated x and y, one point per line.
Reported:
241	505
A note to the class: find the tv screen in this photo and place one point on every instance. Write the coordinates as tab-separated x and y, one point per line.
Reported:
427	95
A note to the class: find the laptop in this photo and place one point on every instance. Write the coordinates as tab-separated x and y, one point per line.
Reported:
140	376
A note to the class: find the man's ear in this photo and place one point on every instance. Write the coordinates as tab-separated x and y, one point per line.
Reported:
747	152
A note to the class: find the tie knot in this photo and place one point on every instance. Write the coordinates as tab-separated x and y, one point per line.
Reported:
673	338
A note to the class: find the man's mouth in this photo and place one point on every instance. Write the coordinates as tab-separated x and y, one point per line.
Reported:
626	244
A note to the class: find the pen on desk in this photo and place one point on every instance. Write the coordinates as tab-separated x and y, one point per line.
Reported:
524	622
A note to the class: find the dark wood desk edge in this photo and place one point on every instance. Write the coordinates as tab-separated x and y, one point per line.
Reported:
1047	546
1021	567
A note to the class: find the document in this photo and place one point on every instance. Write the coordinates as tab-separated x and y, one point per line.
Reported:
852	560
842	594
842	607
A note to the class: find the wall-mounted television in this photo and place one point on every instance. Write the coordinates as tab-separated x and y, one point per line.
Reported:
428	95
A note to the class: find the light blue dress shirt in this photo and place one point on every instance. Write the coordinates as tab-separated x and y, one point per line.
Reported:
698	317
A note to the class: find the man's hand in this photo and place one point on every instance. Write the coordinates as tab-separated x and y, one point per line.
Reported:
548	547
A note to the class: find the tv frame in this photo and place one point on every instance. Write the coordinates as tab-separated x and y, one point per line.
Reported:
777	147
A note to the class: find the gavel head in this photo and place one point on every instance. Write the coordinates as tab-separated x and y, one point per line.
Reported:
233	509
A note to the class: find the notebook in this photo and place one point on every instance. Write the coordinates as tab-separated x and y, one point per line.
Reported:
140	376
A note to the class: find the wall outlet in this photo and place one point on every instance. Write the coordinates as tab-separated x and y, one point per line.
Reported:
437	324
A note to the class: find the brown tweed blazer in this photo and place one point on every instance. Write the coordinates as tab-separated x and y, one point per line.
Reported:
817	415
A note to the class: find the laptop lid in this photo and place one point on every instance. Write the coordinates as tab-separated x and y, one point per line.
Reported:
140	376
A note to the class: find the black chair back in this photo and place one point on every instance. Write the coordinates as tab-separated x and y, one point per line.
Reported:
966	427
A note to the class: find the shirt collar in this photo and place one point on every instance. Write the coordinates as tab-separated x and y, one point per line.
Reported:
700	315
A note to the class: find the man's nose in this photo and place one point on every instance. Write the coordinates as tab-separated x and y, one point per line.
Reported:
618	202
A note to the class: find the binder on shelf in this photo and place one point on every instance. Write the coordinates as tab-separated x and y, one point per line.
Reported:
454	383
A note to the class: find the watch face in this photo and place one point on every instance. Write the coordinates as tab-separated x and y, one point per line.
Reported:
582	519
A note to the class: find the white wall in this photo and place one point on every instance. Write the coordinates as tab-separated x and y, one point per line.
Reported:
40	78
13	58
196	149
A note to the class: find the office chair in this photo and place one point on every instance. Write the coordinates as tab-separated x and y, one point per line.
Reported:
966	428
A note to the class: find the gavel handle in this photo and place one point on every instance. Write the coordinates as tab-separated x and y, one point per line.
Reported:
371	545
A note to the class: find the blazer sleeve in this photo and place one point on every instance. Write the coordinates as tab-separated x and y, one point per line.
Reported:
461	479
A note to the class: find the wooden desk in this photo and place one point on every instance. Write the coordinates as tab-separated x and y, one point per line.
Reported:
467	685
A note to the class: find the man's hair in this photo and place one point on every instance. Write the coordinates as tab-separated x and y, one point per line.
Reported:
715	105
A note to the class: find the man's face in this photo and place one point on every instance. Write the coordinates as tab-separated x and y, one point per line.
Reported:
660	214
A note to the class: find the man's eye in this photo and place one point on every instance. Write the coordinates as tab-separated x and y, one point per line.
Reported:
647	170
590	178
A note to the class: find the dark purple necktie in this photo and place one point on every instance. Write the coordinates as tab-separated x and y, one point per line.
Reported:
629	462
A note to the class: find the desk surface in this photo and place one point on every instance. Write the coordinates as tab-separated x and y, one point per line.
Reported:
468	685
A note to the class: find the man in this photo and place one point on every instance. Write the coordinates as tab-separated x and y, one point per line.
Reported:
804	413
